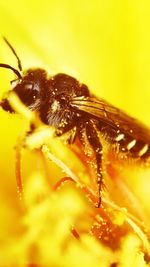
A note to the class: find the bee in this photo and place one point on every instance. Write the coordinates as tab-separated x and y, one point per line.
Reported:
66	104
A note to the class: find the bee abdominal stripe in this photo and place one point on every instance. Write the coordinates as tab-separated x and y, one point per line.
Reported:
119	137
143	150
131	144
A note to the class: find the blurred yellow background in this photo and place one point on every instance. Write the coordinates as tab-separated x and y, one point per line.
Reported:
105	44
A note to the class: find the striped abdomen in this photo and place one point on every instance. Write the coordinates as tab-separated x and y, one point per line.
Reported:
127	142
135	147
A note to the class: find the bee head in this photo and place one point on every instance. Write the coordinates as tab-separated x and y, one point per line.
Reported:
29	88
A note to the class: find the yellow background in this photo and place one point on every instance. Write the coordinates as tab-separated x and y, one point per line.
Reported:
105	44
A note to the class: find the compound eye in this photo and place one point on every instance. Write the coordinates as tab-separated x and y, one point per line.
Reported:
30	91
28	86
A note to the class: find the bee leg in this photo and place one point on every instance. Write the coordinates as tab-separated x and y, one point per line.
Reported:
18	165
18	168
94	141
71	134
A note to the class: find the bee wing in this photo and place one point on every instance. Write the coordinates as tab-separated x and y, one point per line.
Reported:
114	117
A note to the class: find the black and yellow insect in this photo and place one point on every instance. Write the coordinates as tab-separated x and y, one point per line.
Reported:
63	102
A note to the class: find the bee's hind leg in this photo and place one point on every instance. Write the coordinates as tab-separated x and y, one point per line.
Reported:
94	141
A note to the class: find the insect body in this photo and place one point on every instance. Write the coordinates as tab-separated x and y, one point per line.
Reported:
61	101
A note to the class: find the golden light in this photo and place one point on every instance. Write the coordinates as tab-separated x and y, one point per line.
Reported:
106	45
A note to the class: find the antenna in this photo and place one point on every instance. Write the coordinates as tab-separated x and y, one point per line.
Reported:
14	52
6	66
